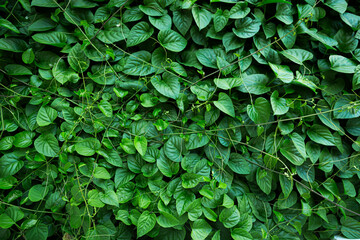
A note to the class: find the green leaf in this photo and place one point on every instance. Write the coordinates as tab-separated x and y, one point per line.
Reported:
101	173
297	55
239	10
38	192
113	33
46	116
338	5
172	40
28	56
342	64
182	20
260	111
345	108
145	223
109	198
152	9
278	104
42	25
140	143
284	13
220	19
232	42
175	148
238	164
286	184
321	135
128	146
56	39
6	143
94	199
350	227
77	59
299	143
200	229
23	139
87	146
139	33
162	23
207	57
13	45
227	83
351	20
138	64
7	24
230	217
39	231
255	84
184	201
106	108
17	70
225	104
263	180
6	221
240	234
191	180
246	27
168	85
290	151
62	73
282	72
47	144
9	165
287	35
201	16
166	166
44	3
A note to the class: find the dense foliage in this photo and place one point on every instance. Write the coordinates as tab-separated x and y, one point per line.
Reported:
179	119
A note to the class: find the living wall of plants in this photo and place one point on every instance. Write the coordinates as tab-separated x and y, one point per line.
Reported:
179	119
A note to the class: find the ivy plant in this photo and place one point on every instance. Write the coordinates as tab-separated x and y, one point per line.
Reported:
179	119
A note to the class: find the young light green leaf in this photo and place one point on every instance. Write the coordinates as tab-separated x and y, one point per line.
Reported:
278	104
225	104
28	56
200	229
56	39
282	72
140	143
38	192
321	135
297	55
145	223
227	83
46	116
7	24
106	108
